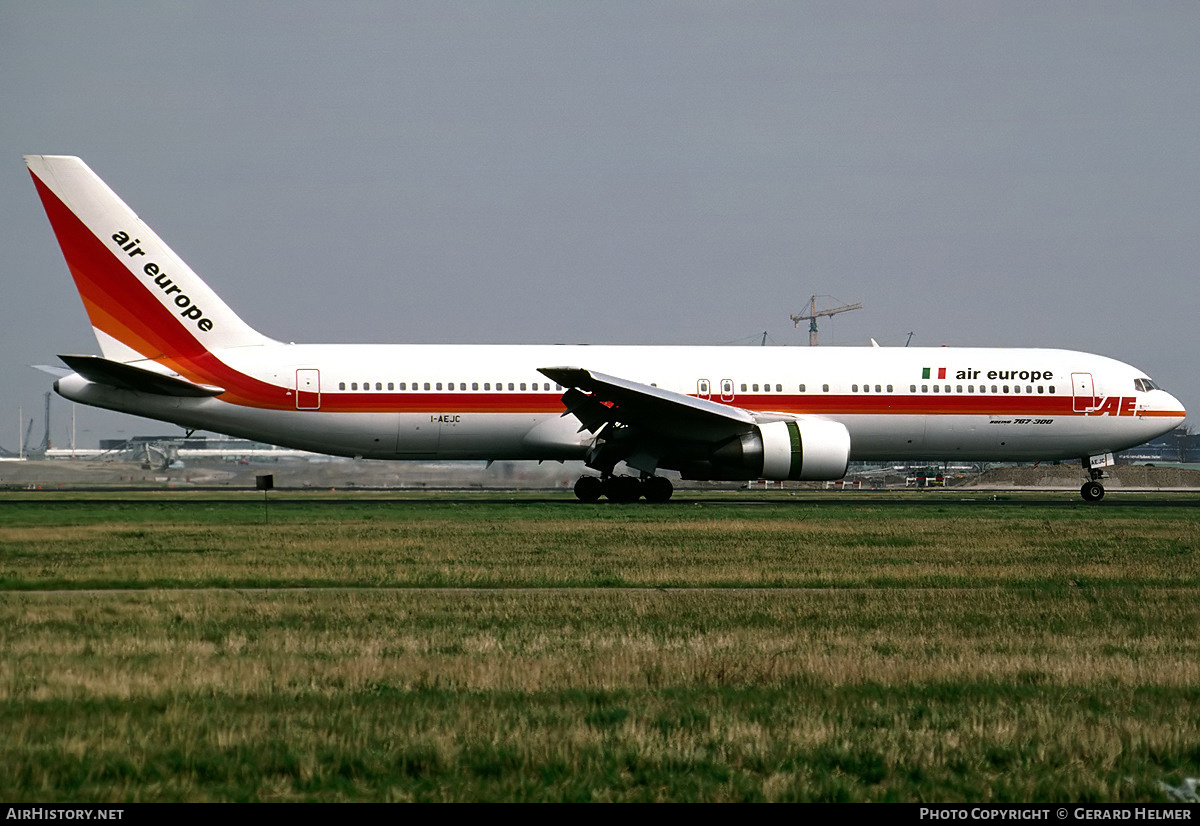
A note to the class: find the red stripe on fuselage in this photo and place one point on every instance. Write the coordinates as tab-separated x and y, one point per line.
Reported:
833	404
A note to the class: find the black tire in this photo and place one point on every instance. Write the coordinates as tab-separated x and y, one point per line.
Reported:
588	489
658	489
1092	491
623	489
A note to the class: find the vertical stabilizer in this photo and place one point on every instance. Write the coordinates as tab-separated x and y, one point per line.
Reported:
143	301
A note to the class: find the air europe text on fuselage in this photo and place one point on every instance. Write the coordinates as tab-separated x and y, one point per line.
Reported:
182	300
1006	375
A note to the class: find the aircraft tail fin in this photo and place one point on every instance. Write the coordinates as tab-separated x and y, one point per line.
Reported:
143	301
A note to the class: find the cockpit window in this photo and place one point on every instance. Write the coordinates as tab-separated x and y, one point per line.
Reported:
1145	385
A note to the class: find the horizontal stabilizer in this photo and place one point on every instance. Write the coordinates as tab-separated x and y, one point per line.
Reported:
52	369
128	377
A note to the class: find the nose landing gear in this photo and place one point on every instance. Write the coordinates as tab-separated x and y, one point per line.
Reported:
1092	491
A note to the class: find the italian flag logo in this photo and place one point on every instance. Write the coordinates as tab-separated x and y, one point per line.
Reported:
925	371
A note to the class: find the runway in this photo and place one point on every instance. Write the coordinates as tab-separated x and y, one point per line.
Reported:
193	497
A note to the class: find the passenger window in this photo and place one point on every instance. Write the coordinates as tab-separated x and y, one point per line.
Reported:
994	390
802	388
889	388
936	388
522	385
877	388
1052	388
474	385
353	385
743	388
427	385
854	388
511	387
341	385
378	385
912	388
391	386
1041	389
754	387
825	388
403	386
924	388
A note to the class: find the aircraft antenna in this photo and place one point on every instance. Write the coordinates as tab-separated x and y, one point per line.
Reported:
813	314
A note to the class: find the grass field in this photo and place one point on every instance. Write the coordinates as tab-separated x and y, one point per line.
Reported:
494	649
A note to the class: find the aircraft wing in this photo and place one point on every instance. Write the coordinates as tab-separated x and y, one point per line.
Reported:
648	428
643	425
597	399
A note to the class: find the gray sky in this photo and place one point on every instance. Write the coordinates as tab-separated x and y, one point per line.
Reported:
1011	174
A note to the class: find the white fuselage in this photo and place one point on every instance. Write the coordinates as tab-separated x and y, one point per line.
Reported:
490	402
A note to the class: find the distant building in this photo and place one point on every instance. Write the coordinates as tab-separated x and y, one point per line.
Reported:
1177	447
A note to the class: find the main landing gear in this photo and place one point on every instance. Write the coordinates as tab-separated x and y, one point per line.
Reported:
623	489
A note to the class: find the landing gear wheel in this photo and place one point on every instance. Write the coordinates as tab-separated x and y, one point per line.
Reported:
657	489
623	489
588	489
1092	491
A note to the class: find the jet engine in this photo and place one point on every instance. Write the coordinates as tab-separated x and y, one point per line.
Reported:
803	449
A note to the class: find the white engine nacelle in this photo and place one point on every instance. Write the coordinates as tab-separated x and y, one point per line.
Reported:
810	449
806	449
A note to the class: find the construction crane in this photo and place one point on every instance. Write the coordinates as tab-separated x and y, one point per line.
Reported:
814	314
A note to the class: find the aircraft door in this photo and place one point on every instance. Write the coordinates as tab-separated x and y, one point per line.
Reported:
308	389
703	390
726	390
1083	392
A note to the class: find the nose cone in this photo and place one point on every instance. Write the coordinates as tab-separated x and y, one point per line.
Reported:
1172	407
1166	410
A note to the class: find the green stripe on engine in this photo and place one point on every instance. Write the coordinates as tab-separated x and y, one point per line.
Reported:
797	463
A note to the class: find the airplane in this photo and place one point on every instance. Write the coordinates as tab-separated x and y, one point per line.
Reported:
172	350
